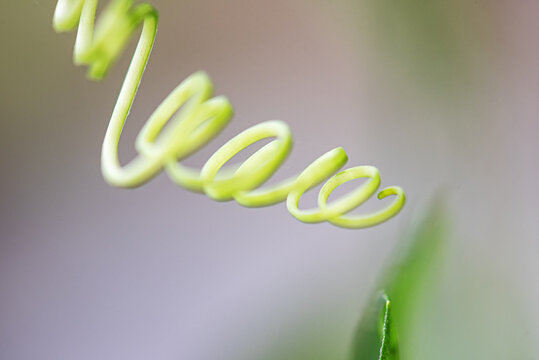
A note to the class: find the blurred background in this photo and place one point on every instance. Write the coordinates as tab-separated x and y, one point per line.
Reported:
440	96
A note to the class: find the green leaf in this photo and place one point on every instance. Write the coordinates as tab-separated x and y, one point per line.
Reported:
413	278
407	283
376	337
389	347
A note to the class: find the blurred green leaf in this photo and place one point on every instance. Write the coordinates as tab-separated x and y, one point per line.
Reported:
412	278
407	285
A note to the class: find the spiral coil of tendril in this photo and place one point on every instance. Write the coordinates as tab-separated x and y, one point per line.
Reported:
189	117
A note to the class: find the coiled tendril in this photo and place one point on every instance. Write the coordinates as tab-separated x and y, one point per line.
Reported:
189	117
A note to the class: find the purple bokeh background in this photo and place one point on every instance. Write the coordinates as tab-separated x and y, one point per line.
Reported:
93	272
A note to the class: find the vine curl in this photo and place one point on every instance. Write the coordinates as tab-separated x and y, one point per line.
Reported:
190	117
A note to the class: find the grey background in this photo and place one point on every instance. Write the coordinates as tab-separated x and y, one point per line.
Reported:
441	98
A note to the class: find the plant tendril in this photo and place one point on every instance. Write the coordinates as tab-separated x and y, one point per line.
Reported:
190	117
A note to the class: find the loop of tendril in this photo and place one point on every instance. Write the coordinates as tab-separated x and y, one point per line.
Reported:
190	117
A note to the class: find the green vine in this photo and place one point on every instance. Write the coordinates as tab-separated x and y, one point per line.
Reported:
189	117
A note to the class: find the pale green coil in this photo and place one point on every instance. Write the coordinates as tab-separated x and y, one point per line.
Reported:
190	117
